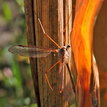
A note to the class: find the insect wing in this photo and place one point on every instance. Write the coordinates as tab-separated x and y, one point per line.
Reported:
30	51
69	93
69	90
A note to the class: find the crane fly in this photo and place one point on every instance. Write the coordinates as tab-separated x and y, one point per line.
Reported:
39	52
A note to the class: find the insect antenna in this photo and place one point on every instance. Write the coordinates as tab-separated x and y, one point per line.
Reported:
69	18
67	24
42	26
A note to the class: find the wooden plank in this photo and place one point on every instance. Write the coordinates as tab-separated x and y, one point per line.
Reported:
50	13
67	30
31	41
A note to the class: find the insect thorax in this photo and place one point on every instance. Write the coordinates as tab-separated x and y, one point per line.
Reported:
63	52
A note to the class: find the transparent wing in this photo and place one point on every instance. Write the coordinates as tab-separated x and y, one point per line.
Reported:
69	93
31	51
69	90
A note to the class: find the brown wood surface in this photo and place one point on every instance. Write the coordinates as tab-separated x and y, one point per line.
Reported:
68	29
51	15
31	41
48	13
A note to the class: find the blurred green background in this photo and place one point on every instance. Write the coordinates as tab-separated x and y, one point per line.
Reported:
16	87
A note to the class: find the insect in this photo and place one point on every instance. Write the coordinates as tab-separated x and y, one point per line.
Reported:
38	52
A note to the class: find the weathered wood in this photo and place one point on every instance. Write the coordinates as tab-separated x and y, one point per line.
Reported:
50	13
68	29
31	41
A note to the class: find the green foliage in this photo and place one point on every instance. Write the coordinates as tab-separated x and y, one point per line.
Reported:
33	105
20	2
7	11
16	87
73	105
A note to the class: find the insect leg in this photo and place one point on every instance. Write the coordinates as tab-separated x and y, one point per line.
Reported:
43	28
69	90
47	72
70	75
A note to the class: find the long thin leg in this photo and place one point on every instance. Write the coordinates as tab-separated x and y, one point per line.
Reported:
46	34
43	28
69	90
70	75
68	19
47	72
66	25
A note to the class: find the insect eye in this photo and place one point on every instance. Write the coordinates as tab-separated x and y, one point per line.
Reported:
68	46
